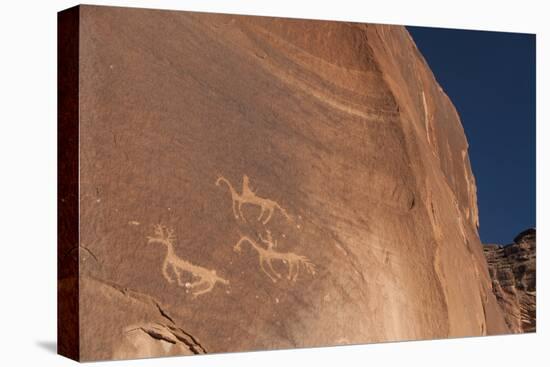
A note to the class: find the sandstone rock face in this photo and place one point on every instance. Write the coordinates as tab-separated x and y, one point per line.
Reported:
513	270
272	183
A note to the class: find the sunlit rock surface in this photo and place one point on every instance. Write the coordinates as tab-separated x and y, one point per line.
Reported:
272	183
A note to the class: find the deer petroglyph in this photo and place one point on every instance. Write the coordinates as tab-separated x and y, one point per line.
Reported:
269	254
206	278
248	196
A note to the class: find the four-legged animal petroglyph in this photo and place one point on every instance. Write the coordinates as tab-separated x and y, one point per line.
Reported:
207	279
248	196
269	254
203	280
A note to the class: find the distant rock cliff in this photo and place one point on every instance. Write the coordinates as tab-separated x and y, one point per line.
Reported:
512	268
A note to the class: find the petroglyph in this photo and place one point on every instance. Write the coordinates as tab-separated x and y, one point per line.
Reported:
268	255
206	278
271	244
265	247
248	196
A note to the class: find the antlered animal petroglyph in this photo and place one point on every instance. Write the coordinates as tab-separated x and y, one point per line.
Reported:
206	277
248	196
269	254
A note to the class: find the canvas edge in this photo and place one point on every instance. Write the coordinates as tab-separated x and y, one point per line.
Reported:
68	249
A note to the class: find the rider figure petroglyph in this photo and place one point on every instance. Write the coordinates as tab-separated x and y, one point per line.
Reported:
248	196
269	254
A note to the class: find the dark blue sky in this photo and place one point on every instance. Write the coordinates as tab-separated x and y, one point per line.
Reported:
490	77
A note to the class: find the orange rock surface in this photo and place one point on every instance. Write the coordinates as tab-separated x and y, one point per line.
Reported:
310	178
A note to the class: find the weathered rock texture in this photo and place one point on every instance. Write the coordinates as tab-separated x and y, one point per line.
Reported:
513	270
272	183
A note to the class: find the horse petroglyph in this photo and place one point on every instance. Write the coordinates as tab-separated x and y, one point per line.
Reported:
269	254
248	196
206	278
